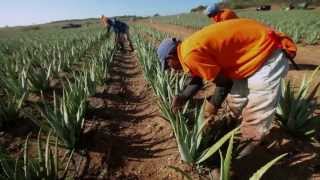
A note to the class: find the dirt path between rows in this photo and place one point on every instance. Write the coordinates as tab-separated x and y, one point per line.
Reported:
141	142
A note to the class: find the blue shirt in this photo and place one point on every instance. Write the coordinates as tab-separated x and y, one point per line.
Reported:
118	26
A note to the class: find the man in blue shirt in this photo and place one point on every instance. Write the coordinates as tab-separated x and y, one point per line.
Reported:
120	29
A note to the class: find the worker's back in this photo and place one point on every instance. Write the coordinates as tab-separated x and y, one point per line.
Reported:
119	26
237	47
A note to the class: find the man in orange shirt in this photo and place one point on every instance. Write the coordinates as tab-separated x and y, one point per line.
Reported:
253	55
218	15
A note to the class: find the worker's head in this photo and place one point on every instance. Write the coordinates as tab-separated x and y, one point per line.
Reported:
168	55
104	20
110	21
212	10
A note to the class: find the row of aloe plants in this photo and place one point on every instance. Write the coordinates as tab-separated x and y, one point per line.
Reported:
31	69
80	67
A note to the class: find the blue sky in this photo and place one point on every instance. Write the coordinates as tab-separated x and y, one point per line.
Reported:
25	12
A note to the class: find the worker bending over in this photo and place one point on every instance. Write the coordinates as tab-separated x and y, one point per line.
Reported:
250	53
120	29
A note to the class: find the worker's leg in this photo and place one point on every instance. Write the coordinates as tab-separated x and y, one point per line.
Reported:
237	99
264	93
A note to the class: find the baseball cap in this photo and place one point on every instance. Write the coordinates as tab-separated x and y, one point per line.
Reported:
212	9
164	49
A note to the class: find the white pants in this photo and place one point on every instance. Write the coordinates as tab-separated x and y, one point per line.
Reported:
256	97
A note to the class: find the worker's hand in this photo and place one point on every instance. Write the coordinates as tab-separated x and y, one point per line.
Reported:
178	103
209	110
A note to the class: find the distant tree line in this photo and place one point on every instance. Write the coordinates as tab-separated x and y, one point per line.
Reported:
200	8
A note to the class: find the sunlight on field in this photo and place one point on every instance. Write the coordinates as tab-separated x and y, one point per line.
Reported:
302	25
76	102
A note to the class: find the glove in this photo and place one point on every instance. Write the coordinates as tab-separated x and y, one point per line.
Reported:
209	114
178	103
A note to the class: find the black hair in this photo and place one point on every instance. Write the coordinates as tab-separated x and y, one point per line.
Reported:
176	40
109	21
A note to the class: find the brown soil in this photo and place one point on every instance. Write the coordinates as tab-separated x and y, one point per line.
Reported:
139	143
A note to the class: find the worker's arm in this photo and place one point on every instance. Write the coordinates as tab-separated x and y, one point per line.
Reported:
223	87
108	28
110	25
192	88
189	91
201	67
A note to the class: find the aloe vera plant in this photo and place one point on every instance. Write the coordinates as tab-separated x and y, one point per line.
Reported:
98	66
87	82
47	165
37	78
226	164
296	110
14	92
66	117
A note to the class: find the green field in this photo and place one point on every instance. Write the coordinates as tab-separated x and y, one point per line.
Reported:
302	25
53	82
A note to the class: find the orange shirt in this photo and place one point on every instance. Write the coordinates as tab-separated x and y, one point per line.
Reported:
236	48
223	15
